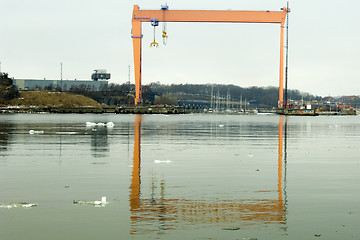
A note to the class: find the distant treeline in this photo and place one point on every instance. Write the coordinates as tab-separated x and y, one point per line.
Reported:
117	94
267	96
7	90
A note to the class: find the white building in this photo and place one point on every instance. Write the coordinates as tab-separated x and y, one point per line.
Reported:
98	82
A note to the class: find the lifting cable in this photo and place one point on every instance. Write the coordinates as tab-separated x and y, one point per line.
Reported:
154	23
164	35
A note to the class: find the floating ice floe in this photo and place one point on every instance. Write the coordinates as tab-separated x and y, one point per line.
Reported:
35	132
15	205
162	161
100	203
93	124
90	124
110	124
66	133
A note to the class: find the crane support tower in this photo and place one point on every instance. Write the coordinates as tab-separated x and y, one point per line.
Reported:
229	16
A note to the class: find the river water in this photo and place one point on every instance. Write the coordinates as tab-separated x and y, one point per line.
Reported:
179	177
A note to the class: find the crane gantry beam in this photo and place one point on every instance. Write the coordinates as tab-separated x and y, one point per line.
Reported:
228	16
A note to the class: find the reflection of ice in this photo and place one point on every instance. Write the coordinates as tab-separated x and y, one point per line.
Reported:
15	205
36	132
100	203
99	141
99	132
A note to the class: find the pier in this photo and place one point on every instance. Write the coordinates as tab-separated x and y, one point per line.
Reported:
158	109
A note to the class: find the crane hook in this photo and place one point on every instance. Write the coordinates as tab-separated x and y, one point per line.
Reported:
164	36
154	44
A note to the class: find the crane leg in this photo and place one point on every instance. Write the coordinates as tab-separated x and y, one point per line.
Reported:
137	39
281	74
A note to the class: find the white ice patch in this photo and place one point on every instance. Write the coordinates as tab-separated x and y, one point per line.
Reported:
100	203
110	124
35	132
66	133
90	124
93	124
15	205
162	161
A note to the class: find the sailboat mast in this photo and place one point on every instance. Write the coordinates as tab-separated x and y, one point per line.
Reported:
287	56
241	102
212	96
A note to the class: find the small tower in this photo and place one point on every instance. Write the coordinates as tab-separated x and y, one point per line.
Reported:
100	74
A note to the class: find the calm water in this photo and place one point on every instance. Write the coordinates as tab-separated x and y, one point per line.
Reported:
180	177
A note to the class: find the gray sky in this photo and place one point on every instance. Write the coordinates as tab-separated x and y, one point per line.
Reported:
85	35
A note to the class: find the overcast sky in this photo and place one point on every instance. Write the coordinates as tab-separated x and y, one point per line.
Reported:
37	35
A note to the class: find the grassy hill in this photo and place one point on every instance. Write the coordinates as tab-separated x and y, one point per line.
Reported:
48	98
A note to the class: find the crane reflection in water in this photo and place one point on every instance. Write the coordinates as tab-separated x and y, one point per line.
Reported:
154	214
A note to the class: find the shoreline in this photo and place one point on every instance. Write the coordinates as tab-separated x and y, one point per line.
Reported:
97	110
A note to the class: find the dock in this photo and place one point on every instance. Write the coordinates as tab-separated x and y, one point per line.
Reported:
314	112
162	109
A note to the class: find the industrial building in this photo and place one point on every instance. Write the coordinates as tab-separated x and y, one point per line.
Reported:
99	82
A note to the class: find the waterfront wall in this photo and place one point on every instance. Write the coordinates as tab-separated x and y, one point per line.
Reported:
103	109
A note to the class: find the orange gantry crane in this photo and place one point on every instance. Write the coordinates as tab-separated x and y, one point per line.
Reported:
229	16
